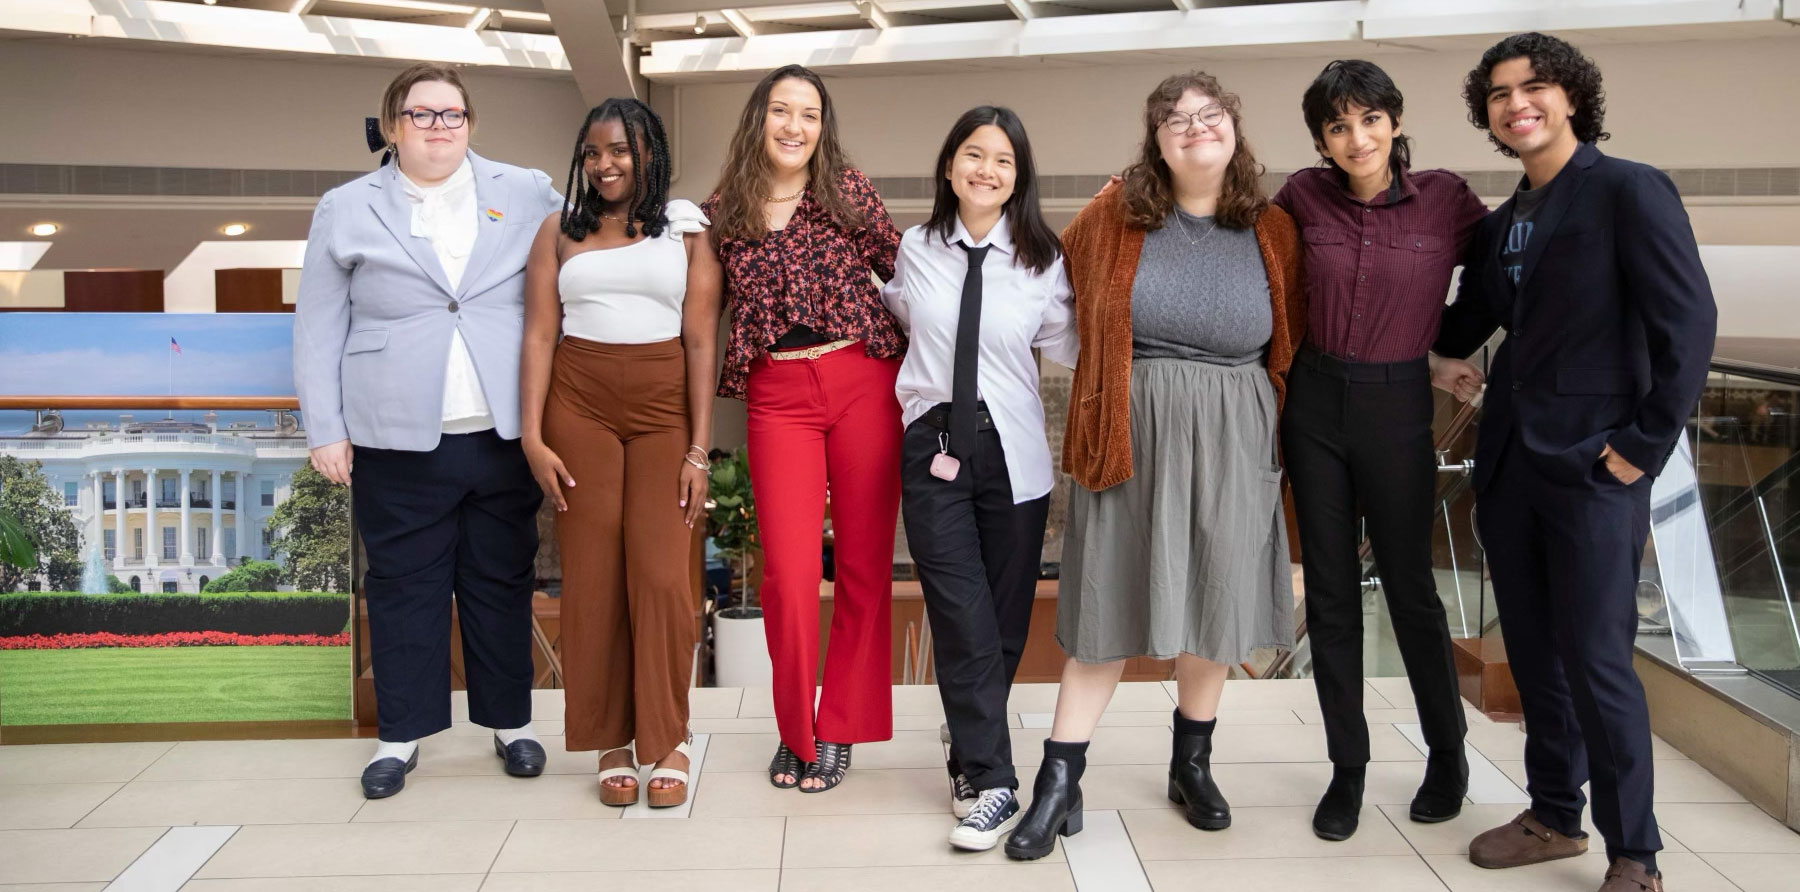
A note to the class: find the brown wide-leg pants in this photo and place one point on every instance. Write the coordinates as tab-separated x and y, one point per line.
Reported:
617	416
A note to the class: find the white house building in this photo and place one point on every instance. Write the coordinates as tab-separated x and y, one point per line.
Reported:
171	504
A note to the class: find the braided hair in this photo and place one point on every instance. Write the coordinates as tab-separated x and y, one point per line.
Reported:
649	181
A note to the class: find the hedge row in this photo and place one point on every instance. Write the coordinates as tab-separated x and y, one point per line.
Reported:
242	613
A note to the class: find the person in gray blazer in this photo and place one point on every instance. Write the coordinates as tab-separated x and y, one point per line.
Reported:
406	359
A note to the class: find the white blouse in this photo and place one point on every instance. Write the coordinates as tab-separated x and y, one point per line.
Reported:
1020	309
444	214
631	294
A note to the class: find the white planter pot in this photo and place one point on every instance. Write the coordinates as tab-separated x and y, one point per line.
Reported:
740	653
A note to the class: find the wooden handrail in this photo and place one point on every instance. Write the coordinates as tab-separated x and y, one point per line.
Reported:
228	403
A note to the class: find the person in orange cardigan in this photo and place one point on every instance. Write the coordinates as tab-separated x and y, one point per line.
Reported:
1188	303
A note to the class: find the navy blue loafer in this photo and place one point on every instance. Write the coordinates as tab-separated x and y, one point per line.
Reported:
524	758
385	777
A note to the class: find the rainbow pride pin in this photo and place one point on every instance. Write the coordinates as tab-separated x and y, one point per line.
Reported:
494	214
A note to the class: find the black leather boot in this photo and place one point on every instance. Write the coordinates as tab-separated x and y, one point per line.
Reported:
1190	775
1440	797
1340	809
1055	802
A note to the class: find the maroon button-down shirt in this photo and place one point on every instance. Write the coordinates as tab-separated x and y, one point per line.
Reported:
1378	272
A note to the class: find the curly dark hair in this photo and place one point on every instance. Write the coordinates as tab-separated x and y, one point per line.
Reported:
1149	190
1553	60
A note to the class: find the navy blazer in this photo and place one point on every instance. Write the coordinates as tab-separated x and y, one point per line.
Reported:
1609	335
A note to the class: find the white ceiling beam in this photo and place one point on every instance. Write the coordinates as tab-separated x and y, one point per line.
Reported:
593	48
1184	5
741	23
879	17
277	31
1400	19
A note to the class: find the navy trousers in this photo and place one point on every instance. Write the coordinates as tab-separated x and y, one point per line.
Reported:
459	521
1564	560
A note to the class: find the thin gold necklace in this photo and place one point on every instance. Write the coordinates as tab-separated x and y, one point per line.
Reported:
787	198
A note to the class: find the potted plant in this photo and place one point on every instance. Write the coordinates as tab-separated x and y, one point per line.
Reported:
740	649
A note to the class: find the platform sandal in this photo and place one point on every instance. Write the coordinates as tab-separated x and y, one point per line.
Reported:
615	794
669	797
788	764
834	760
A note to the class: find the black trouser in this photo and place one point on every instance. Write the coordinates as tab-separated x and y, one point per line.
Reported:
461	518
1564	561
977	555
1356	438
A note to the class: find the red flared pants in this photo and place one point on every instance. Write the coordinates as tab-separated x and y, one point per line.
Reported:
813	423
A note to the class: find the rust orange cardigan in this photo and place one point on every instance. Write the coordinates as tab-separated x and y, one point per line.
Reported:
1101	251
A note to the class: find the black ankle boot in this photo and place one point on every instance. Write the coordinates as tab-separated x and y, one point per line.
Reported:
1055	802
1440	797
1190	775
1340	809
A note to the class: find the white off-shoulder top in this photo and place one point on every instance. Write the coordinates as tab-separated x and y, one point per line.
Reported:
631	294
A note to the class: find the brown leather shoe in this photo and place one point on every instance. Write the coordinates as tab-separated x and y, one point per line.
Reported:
1627	875
1524	840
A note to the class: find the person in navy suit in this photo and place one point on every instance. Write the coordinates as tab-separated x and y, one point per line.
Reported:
407	334
1592	269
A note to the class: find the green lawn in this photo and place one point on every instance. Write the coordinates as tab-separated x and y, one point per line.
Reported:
173	684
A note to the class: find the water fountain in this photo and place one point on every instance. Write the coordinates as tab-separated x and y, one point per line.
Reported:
93	576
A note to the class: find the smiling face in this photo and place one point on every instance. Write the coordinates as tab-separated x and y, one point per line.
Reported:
791	124
1527	114
606	161
1204	149
982	172
1359	141
435	152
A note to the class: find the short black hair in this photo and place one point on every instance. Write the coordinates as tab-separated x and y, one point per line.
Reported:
1348	82
649	172
1036	244
1553	60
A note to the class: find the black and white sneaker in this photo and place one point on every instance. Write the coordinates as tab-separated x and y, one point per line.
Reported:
995	814
962	795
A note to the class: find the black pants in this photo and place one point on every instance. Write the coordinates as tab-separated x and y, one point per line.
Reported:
1564	561
977	555
459	519
1357	440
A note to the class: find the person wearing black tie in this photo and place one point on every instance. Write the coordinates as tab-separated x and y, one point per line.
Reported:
1592	269
977	288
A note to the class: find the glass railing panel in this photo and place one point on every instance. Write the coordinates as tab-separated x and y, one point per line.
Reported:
1746	436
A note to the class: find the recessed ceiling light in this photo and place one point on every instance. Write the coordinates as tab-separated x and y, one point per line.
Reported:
235	229
45	229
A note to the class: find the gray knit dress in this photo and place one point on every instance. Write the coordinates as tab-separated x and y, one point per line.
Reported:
1190	554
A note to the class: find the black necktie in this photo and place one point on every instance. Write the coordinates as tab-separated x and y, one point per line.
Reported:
963	393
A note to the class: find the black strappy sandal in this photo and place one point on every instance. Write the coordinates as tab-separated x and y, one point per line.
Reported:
786	763
834	760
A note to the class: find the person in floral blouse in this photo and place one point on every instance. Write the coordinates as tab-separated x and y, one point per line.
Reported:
814	353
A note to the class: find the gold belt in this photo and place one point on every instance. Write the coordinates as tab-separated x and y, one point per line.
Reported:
813	352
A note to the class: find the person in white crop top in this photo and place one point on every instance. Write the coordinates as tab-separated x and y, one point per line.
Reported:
616	420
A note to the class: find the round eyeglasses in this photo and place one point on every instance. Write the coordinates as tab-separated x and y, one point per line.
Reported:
425	118
1181	122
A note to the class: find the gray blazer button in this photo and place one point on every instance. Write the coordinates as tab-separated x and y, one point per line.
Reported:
454	307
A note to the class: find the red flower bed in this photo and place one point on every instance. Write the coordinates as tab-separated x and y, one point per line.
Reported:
167	639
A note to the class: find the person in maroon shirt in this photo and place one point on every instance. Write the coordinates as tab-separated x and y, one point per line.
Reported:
1380	242
814	353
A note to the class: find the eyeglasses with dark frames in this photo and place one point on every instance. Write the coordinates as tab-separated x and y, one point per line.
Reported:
1181	122
425	118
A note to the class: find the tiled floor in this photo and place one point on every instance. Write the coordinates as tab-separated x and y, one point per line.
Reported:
289	817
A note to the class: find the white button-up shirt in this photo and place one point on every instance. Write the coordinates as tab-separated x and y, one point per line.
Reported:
445	215
1020	309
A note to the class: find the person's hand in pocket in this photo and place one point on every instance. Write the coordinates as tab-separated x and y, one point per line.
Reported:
1623	471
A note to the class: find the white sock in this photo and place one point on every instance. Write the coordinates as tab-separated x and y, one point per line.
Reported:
402	751
508	735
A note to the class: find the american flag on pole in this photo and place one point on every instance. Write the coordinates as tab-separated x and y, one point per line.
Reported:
174	347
